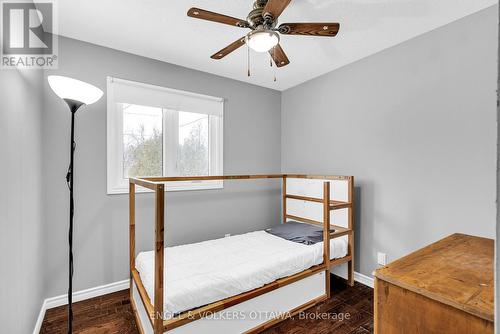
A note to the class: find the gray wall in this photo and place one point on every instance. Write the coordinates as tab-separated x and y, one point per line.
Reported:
415	124
251	145
21	223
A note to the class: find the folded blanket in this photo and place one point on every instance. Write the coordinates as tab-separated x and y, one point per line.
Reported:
298	232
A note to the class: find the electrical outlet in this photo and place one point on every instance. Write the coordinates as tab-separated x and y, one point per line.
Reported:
381	258
227	235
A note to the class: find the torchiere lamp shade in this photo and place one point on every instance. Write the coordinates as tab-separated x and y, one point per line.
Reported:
72	89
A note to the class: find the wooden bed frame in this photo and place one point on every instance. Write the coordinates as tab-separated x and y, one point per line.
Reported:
155	312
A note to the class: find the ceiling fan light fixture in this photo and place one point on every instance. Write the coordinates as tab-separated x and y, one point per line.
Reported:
262	40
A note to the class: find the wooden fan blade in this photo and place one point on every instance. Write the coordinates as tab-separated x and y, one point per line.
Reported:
310	29
276	7
228	49
216	17
279	56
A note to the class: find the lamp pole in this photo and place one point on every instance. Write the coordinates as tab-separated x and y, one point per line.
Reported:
73	106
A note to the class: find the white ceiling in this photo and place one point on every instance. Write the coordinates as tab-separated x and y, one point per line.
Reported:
161	30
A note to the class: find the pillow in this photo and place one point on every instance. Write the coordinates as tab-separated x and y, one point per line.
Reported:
298	232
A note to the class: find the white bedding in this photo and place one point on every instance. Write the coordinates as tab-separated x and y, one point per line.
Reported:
205	272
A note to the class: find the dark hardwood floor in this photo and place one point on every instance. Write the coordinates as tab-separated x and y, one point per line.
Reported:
348	311
354	304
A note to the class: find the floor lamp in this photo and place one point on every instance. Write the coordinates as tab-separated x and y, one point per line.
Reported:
76	94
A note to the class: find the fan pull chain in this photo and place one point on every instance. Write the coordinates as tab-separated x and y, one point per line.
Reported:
248	60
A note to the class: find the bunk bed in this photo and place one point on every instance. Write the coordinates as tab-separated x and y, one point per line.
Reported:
325	201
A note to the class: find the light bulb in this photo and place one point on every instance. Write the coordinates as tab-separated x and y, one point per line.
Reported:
262	40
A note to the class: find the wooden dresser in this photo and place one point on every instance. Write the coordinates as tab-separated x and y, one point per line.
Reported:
446	287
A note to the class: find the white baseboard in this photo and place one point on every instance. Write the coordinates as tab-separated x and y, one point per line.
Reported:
39	320
78	296
363	279
87	293
122	285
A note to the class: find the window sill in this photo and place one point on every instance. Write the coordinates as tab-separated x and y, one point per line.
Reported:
174	186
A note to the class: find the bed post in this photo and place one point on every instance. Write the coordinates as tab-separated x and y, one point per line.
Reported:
159	249
131	196
350	264
326	235
283	200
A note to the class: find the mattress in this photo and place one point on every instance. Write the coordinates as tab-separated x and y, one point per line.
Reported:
205	272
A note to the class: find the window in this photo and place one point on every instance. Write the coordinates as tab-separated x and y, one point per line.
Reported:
156	131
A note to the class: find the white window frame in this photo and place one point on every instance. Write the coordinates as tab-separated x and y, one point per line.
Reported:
115	182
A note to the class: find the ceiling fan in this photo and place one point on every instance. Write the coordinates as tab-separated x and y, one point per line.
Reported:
264	35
